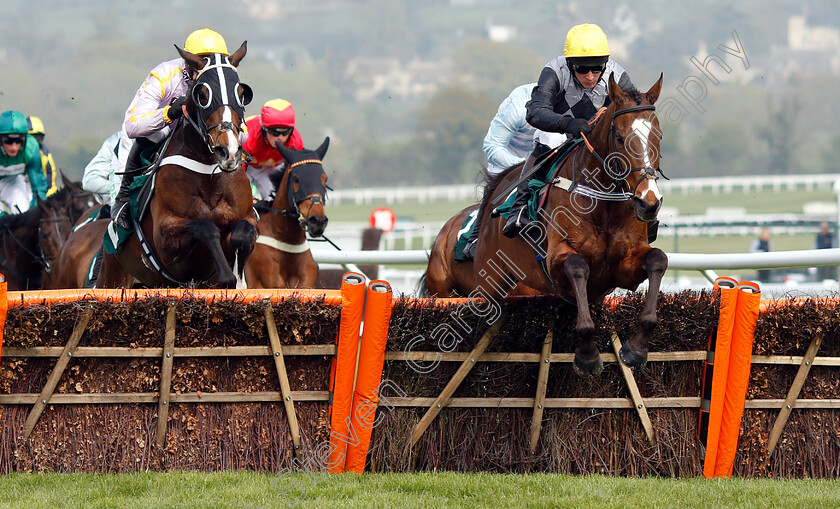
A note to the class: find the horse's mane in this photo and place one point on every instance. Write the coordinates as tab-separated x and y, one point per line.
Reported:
491	182
15	221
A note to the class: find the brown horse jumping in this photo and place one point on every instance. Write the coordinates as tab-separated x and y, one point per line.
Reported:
281	258
200	227
592	232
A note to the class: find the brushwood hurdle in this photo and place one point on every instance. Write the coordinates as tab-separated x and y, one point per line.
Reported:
355	380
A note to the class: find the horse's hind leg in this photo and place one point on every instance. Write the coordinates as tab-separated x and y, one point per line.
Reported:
634	352
587	358
208	233
242	238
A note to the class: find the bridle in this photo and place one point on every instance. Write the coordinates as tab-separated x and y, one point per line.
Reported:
218	86
45	260
649	171
295	199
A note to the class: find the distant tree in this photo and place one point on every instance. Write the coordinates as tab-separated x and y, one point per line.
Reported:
494	68
831	156
450	130
779	134
723	148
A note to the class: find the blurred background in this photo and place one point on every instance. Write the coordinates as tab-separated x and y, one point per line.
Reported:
406	89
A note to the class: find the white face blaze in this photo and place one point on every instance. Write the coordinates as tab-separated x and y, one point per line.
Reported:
642	129
232	139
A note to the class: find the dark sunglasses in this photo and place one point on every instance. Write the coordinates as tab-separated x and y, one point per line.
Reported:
279	131
9	140
586	69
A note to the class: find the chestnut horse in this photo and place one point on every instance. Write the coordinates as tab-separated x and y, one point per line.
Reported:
281	258
200	226
591	234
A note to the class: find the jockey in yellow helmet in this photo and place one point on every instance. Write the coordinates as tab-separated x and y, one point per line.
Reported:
570	91
157	103
36	129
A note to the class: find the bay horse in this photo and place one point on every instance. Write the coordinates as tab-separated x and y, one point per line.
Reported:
281	258
200	226
30	241
591	233
72	265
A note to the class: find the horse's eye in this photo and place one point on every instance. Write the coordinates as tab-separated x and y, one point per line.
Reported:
619	138
202	95
244	94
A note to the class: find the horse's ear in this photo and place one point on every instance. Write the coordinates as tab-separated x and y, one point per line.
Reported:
322	150
653	93
194	61
287	153
612	86
239	54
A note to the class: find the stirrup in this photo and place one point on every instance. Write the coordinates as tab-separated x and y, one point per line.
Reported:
469	249
122	217
516	223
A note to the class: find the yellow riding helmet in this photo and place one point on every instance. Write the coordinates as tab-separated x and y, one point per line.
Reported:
34	125
587	40
206	42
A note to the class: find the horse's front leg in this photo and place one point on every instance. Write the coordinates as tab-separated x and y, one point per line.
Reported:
587	357
634	352
243	236
207	233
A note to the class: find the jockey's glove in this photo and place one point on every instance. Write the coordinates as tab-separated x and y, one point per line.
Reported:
175	108
575	126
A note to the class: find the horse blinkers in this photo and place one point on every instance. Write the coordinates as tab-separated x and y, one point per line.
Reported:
217	87
308	186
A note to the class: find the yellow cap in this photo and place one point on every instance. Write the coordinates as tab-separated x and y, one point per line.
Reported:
206	42
35	125
587	40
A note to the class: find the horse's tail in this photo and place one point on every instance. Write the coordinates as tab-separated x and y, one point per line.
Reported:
421	290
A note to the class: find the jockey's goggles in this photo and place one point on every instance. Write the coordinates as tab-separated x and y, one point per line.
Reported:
586	69
279	131
11	140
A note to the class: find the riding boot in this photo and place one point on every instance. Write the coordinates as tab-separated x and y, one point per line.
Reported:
93	274
121	210
518	218
469	249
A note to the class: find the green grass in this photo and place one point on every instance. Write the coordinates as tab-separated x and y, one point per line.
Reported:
424	490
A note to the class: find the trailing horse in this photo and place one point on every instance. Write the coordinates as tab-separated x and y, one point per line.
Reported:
592	232
31	241
200	225
281	258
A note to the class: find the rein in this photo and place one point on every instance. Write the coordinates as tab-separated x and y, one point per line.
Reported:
46	261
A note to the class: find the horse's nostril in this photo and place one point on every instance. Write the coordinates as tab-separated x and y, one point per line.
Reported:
221	152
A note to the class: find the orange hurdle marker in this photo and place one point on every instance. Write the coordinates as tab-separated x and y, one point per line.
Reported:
378	305
344	369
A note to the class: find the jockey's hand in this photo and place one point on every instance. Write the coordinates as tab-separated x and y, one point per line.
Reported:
175	108
576	126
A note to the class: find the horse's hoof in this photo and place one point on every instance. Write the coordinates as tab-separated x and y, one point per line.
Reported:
631	358
588	368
